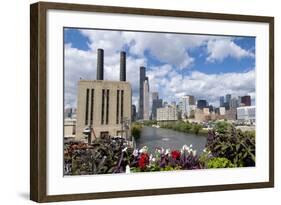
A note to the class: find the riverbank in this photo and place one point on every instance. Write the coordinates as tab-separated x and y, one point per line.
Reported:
169	139
185	127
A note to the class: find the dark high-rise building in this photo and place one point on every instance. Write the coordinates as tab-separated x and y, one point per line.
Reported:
142	79
201	104
211	108
154	96
227	98
221	101
234	103
246	100
227	101
134	113
156	103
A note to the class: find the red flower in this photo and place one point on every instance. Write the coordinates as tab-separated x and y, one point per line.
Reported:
175	154
144	160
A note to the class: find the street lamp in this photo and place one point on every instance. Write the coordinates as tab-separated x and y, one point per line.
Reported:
88	131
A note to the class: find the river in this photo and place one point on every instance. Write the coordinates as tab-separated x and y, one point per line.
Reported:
166	138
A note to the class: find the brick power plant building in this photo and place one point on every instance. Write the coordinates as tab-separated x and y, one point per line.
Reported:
103	106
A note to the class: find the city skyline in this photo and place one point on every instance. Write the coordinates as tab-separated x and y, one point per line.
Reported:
206	67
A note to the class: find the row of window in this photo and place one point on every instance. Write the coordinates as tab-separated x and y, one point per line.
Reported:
104	106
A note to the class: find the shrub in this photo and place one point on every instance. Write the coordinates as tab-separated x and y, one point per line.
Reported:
197	128
136	131
104	155
227	142
219	162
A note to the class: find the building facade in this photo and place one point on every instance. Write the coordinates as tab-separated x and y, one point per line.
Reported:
146	99
134	113
201	104
69	128
222	110
234	103
104	106
142	79
187	105
167	114
221	101
246	113
246	100
156	103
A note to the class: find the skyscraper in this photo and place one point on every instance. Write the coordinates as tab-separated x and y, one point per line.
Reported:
233	103
227	101
156	103
187	105
134	113
201	104
154	96
221	101
142	79
246	100
146	99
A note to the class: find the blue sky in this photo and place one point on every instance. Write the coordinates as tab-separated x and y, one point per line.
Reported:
206	66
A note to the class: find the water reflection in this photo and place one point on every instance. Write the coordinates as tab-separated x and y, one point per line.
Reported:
158	137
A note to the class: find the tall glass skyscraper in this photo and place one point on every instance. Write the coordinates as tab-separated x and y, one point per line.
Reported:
142	79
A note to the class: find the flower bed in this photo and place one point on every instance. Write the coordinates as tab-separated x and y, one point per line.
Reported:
225	148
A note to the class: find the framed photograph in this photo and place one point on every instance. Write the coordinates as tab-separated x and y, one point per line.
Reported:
135	102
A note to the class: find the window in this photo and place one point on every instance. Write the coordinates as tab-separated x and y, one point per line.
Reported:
102	106
122	104
92	106
107	105
87	105
117	107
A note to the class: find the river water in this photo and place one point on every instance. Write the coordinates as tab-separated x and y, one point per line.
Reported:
166	138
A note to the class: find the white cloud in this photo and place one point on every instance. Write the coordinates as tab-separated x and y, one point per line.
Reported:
171	50
203	86
82	64
220	49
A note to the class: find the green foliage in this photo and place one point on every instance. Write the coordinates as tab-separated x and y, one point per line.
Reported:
186	127
219	162
136	131
149	122
197	128
170	168
228	142
222	127
104	155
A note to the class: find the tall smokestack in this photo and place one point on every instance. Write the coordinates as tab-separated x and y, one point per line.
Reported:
123	66
100	64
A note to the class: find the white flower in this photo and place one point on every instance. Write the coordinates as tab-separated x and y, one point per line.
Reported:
144	149
190	145
205	150
150	157
128	171
125	149
153	159
185	147
194	153
135	153
167	151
